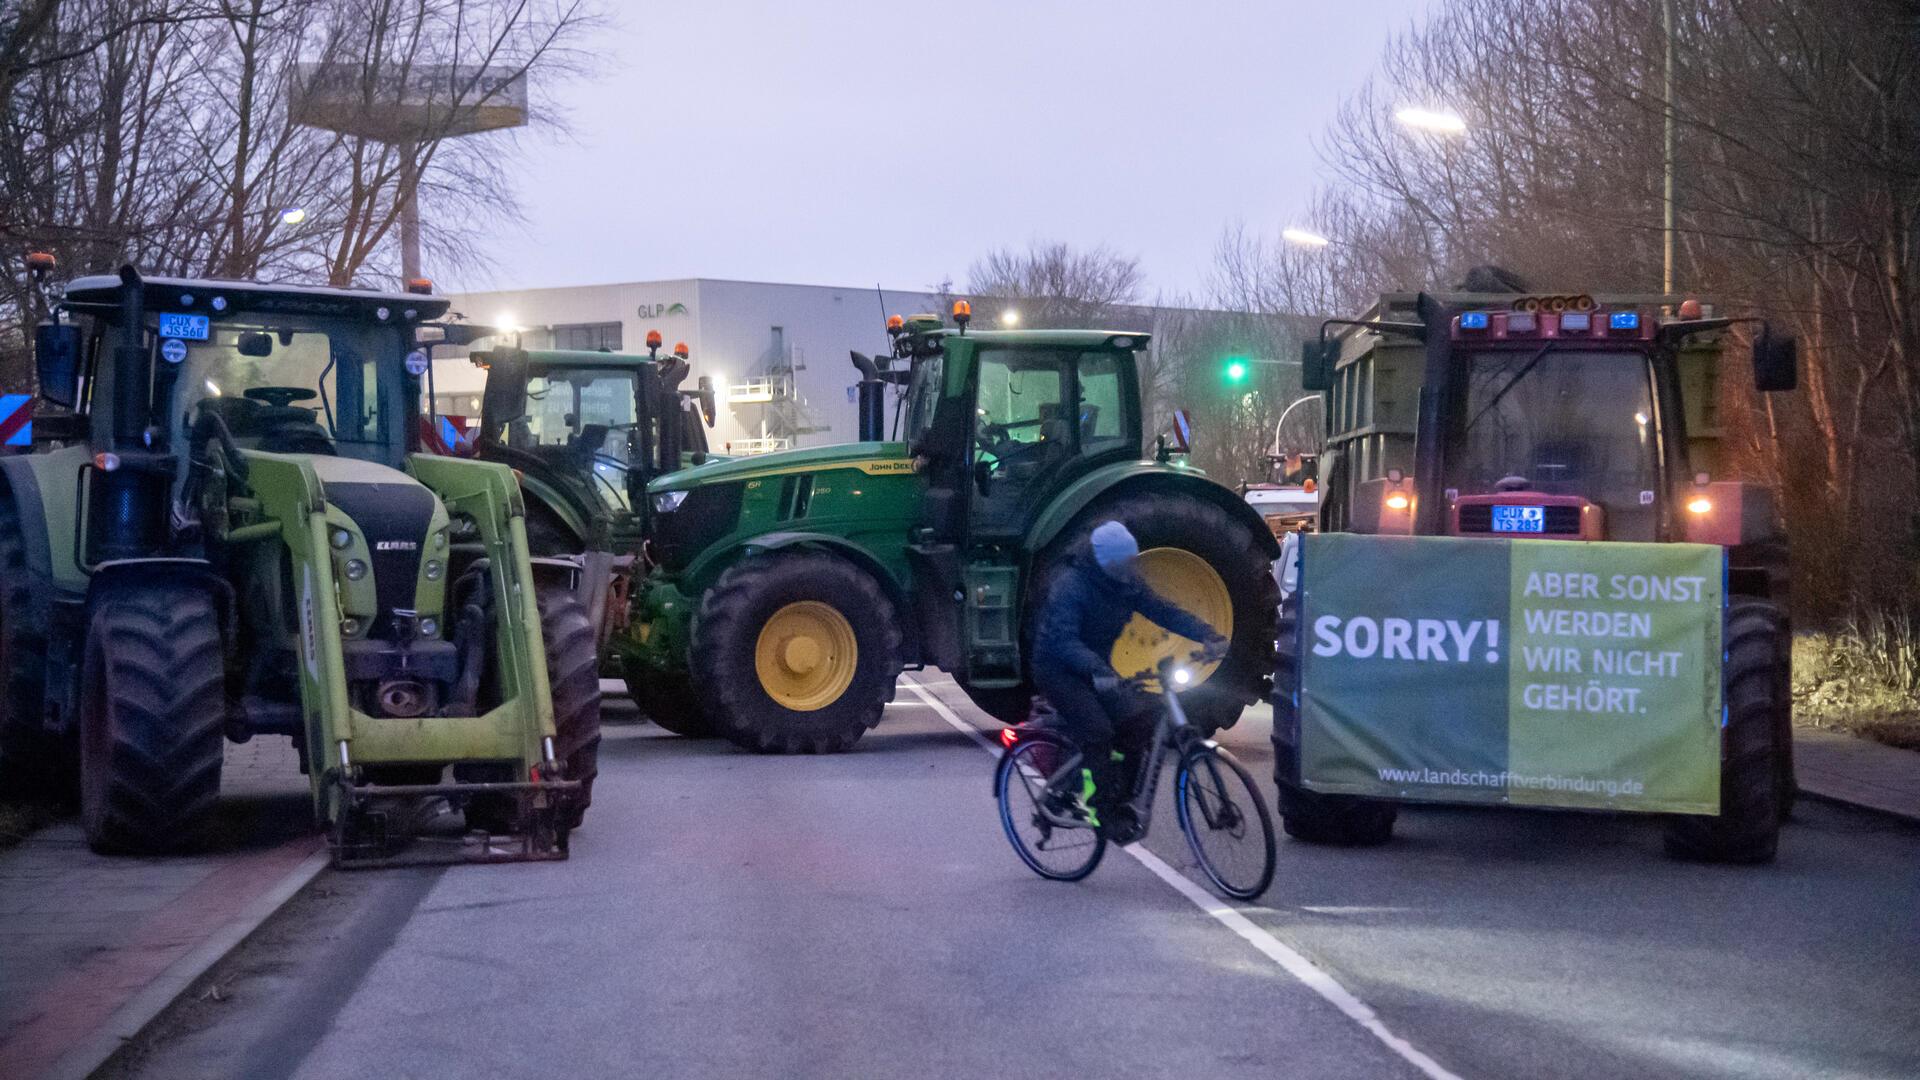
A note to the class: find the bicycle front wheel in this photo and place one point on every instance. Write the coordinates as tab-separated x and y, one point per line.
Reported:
1226	822
1051	850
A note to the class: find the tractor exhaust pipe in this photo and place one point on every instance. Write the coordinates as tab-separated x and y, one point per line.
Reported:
872	397
127	510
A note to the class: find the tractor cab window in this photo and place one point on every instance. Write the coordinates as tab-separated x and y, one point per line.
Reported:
1562	423
1103	402
923	397
291	384
582	420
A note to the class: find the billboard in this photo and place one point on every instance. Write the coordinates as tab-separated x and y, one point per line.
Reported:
398	103
1527	672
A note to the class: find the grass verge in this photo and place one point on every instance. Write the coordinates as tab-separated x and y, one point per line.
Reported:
1863	679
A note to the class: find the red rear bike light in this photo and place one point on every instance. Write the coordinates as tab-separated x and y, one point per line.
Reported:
1009	736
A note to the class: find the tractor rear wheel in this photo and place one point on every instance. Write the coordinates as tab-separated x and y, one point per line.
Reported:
573	676
800	652
32	763
670	702
1195	554
1316	817
152	710
1747	829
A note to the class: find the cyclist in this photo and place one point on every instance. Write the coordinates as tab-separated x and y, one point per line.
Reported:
1091	601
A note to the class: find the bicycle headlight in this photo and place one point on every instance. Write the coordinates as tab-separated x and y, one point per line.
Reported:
1181	676
666	502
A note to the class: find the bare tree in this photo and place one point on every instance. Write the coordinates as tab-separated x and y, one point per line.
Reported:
1054	284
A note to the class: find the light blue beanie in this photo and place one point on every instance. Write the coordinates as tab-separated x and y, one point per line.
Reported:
1114	548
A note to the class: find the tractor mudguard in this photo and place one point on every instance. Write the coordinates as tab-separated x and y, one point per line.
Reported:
555	500
835	545
46	490
1135	476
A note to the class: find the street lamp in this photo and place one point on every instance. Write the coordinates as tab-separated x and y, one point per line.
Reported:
1010	317
293	215
1438	121
1303	237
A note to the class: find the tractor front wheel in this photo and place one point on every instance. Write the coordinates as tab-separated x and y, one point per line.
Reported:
799	651
1747	829
573	676
151	719
32	763
668	699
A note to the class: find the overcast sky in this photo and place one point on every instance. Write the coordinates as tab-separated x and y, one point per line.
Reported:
848	142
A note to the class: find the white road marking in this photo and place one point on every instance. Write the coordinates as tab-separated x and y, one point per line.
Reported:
1291	961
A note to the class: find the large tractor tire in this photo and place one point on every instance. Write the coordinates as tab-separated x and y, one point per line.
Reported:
1312	816
1747	829
152	711
670	702
1197	555
799	652
573	676
32	763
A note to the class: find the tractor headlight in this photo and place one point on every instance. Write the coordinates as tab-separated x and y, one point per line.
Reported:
434	569
429	627
668	501
356	569
341	539
349	626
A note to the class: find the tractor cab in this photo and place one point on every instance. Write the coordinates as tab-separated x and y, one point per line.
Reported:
589	429
1005	420
1555	417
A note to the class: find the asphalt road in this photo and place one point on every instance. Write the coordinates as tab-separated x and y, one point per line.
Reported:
728	915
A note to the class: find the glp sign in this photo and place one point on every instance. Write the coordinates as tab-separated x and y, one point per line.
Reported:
660	311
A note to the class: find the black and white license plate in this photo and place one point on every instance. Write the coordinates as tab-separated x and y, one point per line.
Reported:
1519	519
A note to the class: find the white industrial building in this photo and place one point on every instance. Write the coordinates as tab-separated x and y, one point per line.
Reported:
777	354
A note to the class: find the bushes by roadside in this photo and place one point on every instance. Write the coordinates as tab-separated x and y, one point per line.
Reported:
1863	678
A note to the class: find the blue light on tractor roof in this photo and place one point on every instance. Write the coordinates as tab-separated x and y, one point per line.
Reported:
1473	320
1624	320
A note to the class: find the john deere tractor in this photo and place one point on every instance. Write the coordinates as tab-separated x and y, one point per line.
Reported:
1557	417
234	535
786	591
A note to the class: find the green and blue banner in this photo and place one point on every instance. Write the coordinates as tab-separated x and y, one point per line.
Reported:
1529	672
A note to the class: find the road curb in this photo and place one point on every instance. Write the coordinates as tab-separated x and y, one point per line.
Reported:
131	1018
1875	809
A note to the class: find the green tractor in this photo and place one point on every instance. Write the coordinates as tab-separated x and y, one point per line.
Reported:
1560	417
233	535
585	431
785	592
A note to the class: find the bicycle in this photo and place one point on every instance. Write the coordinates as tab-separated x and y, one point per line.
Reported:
1218	803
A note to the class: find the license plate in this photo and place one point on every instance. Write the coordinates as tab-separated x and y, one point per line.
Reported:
1520	519
185	327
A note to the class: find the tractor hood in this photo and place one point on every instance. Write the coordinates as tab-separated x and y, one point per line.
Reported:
871	457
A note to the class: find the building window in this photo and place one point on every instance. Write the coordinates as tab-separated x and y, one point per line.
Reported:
588	336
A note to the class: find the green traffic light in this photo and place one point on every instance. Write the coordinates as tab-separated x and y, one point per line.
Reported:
1236	370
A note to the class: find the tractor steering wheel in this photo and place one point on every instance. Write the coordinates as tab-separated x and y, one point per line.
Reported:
280	397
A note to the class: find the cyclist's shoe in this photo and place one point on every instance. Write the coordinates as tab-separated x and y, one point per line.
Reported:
1076	805
1120	826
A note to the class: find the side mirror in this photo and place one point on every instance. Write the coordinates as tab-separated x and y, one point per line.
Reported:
1776	361
709	408
56	357
1316	364
505	398
256	344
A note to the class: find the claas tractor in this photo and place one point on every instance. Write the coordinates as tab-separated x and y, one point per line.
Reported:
785	592
234	535
1557	417
585	431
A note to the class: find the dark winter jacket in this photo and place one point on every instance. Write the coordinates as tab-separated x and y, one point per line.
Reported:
1085	612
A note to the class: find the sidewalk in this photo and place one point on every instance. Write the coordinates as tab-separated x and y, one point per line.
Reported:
1858	772
91	948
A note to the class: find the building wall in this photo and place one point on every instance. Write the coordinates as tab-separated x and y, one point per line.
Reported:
737	332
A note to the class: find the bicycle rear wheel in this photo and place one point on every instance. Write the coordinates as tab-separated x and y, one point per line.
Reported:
1050	850
1226	822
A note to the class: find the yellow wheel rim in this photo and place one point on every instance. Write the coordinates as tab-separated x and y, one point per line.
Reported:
1187	580
806	656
